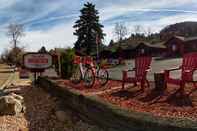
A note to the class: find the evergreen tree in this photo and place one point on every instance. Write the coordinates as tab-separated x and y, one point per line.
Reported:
111	43
88	29
42	50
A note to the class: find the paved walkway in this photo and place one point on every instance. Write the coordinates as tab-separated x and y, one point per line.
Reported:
156	66
5	73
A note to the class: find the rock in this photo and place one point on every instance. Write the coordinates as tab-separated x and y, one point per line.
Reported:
62	116
18	97
9	105
2	93
24	129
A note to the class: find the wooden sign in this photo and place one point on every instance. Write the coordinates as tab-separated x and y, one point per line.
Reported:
37	61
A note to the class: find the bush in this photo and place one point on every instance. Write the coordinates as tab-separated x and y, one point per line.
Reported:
67	65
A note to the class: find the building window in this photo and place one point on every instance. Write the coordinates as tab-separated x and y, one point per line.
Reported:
174	47
142	51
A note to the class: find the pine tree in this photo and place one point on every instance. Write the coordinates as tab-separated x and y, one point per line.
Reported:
88	29
111	43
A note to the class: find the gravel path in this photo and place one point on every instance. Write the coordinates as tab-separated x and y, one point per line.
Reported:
40	113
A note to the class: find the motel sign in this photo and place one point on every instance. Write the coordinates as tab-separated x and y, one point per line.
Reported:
36	61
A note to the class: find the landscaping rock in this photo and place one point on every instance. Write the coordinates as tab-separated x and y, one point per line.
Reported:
17	97
10	104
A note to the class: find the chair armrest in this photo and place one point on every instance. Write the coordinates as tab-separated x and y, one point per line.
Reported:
192	70
173	69
129	70
189	71
149	69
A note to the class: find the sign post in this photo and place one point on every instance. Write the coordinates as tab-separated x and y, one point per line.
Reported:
37	62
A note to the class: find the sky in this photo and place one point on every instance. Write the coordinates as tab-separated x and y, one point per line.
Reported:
50	23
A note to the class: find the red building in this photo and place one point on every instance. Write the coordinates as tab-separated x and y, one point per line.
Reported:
177	45
145	48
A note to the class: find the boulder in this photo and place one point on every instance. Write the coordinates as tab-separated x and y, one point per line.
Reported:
10	104
17	97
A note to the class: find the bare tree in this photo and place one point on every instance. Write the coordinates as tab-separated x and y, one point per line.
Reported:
138	29
120	30
15	31
149	31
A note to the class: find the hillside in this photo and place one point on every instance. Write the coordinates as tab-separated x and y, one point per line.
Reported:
186	29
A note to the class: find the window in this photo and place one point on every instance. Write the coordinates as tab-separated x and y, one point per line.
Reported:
174	47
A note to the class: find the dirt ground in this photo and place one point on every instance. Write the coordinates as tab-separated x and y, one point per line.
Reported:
40	113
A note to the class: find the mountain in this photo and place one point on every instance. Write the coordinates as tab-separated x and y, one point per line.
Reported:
186	29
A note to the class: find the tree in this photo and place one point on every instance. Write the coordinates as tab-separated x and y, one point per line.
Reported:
13	56
120	31
15	31
111	43
88	29
138	29
42	50
149	31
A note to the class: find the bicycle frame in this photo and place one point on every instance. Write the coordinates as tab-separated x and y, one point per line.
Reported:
86	64
82	70
86	61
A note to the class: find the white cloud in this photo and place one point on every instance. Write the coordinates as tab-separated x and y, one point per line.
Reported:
7	3
155	25
144	6
59	36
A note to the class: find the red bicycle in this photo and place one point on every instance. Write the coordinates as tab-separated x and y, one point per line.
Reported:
88	71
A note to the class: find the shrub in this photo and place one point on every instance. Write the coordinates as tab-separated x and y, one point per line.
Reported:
67	66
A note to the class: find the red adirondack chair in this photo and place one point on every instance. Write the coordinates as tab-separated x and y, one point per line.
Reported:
189	65
142	66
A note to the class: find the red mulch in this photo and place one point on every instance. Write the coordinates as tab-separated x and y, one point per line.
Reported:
157	104
148	101
96	88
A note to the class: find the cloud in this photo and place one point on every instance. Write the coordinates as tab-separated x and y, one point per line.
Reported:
49	22
59	36
7	3
146	6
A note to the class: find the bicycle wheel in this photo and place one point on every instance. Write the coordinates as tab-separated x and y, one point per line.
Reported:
76	76
103	76
89	78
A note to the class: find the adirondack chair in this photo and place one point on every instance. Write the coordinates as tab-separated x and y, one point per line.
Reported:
189	65
142	66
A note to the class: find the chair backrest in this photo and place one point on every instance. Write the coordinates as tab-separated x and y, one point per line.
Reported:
77	60
142	64
188	66
88	60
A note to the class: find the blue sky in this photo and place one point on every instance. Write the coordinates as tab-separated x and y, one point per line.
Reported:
49	22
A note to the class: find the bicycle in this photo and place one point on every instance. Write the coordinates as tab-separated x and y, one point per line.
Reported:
88	71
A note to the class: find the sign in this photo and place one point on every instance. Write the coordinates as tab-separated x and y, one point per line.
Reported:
37	61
